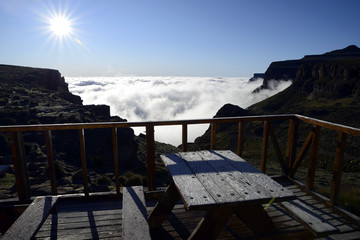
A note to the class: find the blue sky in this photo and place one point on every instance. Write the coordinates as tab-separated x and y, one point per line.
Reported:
168	37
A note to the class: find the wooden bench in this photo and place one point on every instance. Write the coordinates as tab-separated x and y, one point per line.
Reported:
135	225
30	221
308	217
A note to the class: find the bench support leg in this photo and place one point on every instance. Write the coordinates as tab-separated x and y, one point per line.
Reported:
256	218
163	208
212	223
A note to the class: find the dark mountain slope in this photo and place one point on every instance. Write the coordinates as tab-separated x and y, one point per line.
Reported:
324	87
328	91
41	96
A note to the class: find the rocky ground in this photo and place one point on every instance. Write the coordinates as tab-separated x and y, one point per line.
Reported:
41	96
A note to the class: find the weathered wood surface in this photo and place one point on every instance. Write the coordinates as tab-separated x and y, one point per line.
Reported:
221	183
208	178
84	219
314	221
135	225
181	174
257	179
102	219
30	221
164	206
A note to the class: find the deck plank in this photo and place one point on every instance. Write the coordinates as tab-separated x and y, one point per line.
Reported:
179	224
30	221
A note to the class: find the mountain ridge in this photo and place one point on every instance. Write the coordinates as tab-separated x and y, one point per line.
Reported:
327	90
288	69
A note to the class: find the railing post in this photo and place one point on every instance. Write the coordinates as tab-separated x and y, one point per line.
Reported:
19	160
150	153
313	155
116	159
50	159
213	136
338	166
277	149
304	149
83	161
184	137
264	146
240	140
292	142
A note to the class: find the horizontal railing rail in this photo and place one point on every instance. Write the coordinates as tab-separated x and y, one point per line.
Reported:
289	163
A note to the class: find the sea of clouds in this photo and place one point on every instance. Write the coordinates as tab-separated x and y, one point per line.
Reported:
169	98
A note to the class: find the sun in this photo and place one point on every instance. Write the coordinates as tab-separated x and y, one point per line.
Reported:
60	26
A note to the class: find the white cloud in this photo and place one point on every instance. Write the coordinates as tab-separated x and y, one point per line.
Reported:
168	98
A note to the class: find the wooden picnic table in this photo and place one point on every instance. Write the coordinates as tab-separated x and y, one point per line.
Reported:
222	184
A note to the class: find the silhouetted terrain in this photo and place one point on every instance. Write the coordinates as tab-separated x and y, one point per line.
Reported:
325	86
41	96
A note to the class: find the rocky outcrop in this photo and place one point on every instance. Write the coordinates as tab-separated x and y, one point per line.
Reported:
295	69
333	79
41	96
256	77
230	110
229	137
33	77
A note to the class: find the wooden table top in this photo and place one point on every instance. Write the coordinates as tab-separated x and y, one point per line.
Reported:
206	179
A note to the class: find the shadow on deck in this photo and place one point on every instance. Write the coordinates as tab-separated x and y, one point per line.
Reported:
102	218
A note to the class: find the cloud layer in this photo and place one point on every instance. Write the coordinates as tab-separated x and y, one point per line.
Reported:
168	98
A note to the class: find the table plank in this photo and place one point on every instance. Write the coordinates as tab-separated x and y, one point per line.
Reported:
193	192
257	178
229	175
210	178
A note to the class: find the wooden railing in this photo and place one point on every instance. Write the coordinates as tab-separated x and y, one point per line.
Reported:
289	164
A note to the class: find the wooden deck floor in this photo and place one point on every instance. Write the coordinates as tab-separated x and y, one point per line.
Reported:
102	219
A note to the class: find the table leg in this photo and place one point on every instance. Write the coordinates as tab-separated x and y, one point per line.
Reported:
256	218
212	223
163	208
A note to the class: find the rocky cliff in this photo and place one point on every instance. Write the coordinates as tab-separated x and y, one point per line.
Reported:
33	77
324	86
332	79
297	69
41	96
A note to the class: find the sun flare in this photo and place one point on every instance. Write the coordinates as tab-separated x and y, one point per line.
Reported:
60	26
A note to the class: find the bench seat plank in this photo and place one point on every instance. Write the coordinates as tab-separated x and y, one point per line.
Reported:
30	221
135	225
313	221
